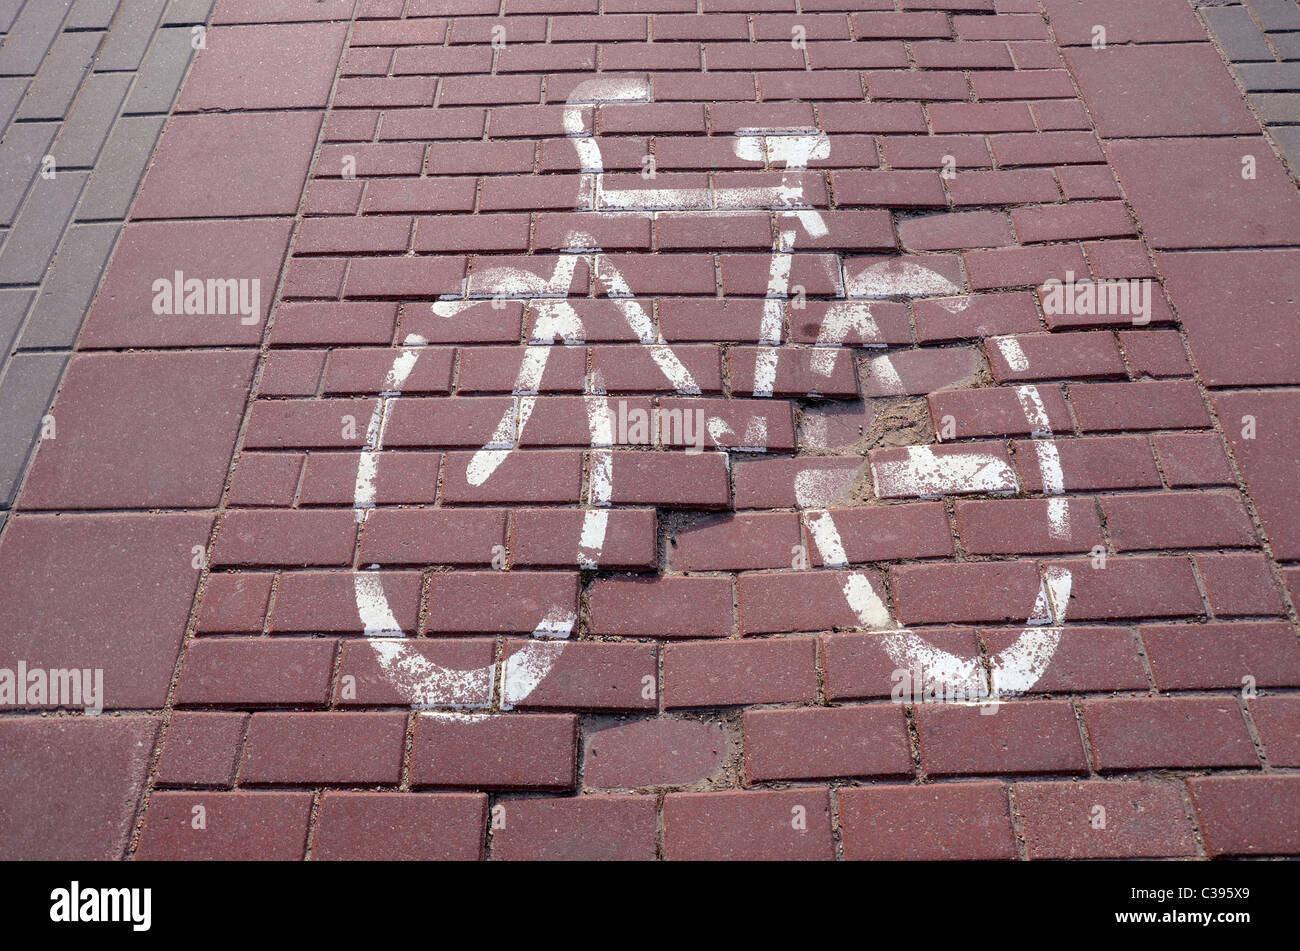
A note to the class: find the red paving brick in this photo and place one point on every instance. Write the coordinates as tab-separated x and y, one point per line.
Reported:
123	314
202	749
791	824
1190	192
1158	21
142	430
1263	348
537	751
954	822
1017	739
1265	446
88	774
843	741
1157	732
591	827
657	752
226	826
336	748
376	568
1155	90
444	827
1222	655
595	676
110	592
1104	820
264	67
1276	719
1247	815
212	166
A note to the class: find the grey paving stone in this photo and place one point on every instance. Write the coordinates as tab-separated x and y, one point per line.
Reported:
1287	138
1288	44
1277	107
187	12
14	302
11	93
39	227
91	15
119	168
69	286
1268	77
8	13
159	77
89	120
4	517
1237	33
1276	14
30	36
26	394
60	76
130	34
24	145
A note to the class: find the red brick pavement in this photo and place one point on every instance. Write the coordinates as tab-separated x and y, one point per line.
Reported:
381	565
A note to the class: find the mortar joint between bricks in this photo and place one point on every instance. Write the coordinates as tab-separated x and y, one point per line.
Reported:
313	820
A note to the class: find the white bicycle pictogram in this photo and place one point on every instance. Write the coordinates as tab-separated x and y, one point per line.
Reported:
428	685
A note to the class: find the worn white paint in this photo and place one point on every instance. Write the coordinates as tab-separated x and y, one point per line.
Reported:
1020	666
525	669
451	308
961	675
426	684
925	473
1049	460
796	151
1031	404
653	199
817	488
749	147
882	369
556	320
811	221
842	320
485	462
602	478
866	603
821	526
1012	353
1058	510
759	197
755	435
897	278
595	523
373	608
765	361
754	440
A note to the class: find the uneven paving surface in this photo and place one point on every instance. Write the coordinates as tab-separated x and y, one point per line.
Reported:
356	502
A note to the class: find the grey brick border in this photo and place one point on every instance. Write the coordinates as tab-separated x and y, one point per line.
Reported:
1260	39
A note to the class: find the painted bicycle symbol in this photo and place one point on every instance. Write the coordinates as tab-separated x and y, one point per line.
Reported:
428	685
